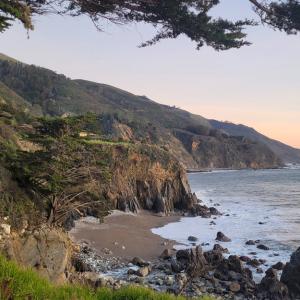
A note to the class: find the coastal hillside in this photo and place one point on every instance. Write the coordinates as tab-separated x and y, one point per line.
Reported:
55	170
73	150
287	153
130	118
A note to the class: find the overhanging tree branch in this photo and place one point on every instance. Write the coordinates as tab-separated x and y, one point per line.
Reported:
171	18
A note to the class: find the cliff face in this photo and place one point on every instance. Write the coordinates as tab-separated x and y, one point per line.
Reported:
153	181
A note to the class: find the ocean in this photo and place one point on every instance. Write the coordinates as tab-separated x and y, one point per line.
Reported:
256	205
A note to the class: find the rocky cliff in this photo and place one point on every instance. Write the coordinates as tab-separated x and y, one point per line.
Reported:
55	170
148	178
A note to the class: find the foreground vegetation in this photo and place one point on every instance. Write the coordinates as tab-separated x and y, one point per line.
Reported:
21	283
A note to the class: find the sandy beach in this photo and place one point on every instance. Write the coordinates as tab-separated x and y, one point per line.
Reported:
126	235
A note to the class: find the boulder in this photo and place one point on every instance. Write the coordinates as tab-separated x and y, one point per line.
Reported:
143	272
250	243
214	211
5	228
218	247
192	238
263	247
166	254
233	263
96	280
234	276
80	265
254	263
234	287
213	257
183	255
200	210
137	261
131	272
169	280
222	237
245	258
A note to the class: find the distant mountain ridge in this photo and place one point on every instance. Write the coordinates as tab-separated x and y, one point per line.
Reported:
287	153
193	139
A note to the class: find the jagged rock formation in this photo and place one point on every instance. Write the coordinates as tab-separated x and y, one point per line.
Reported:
141	183
271	288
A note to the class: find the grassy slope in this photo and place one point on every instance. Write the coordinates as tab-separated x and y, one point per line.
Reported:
20	283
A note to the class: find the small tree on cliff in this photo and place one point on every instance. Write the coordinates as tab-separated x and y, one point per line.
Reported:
171	17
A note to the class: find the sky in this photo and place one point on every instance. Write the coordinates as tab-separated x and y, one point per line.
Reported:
258	86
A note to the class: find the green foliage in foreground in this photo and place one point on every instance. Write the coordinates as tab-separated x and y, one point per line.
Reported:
20	283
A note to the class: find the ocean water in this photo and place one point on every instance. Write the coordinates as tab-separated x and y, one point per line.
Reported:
259	205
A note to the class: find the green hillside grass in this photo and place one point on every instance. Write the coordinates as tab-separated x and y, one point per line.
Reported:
21	283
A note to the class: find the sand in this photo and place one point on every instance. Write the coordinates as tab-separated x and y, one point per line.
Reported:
126	235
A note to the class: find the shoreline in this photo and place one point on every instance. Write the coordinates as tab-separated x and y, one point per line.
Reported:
210	170
124	235
111	249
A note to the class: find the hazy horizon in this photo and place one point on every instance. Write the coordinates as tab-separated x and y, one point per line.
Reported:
257	86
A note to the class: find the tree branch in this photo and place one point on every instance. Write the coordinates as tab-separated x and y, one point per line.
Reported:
260	6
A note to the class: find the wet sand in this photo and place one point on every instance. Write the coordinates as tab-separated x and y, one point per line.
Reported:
126	235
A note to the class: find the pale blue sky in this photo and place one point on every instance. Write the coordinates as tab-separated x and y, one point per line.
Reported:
257	85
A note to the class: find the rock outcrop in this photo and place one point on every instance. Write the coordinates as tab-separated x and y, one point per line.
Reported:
271	288
141	182
291	275
47	250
